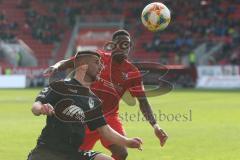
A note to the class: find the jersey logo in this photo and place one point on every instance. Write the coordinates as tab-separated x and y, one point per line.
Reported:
74	112
91	102
124	76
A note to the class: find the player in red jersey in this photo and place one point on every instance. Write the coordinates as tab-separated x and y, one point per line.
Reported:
118	75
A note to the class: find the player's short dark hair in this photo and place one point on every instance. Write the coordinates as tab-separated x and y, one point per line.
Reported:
87	52
120	32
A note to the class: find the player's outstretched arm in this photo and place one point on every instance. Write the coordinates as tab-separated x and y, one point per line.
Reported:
59	66
111	135
46	109
148	114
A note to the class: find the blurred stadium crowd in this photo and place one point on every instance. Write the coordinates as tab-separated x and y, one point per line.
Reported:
45	27
193	22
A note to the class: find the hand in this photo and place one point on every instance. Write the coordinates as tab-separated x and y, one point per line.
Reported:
47	109
49	71
134	143
162	136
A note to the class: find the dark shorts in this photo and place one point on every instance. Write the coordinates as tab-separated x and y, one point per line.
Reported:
42	153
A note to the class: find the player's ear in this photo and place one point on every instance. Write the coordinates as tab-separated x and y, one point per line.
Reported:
109	46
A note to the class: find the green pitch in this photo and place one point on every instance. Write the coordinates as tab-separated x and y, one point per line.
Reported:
202	125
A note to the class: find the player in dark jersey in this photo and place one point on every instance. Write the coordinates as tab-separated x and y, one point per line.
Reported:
70	105
119	75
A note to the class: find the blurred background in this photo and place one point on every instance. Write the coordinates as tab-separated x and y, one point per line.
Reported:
200	47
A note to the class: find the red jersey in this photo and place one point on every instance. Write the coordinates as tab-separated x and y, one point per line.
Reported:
115	79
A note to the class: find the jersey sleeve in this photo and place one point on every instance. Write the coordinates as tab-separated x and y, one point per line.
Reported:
94	117
47	95
135	84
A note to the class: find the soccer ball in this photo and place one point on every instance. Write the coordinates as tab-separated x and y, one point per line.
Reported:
156	16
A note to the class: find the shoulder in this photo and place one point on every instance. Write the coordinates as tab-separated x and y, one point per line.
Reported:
57	85
65	87
104	53
130	66
133	73
105	56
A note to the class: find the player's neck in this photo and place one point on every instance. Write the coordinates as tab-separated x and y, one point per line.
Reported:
83	79
118	61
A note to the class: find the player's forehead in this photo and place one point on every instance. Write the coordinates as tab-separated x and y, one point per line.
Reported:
120	38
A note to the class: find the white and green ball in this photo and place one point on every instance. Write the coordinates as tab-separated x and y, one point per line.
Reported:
156	16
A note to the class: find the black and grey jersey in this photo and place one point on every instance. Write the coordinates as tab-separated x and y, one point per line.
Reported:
75	107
